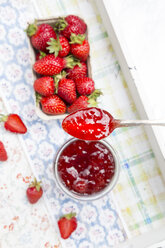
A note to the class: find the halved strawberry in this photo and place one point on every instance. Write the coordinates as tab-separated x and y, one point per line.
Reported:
67	225
13	123
3	153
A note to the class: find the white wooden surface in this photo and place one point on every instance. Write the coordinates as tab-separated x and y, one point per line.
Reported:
137	32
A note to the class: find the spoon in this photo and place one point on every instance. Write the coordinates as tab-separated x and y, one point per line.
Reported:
96	124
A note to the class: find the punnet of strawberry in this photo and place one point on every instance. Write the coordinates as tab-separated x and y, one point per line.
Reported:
63	82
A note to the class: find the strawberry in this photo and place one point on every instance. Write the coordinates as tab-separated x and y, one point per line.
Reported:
79	46
84	102
44	86
66	88
13	123
52	105
85	86
78	71
51	65
67	225
34	191
70	24
40	35
3	153
60	46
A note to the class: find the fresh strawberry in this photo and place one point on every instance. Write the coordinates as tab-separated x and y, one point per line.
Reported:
60	46
85	86
3	153
52	105
67	225
40	35
65	88
84	102
78	71
13	123
70	24
44	86
34	191
79	46
51	65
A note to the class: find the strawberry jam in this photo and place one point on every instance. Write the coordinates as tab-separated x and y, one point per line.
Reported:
90	124
86	167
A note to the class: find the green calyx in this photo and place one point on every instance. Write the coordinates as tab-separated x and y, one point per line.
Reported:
38	98
77	39
42	54
72	61
3	118
57	78
35	184
31	29
68	216
54	46
60	24
93	97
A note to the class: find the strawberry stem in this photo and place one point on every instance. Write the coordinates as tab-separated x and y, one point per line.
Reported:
68	216
3	118
38	98
60	24
77	39
93	97
57	78
72	61
35	184
31	29
54	46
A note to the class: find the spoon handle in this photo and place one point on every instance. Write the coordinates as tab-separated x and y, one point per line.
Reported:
128	123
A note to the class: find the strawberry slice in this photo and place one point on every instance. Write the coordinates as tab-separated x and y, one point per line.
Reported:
34	191
3	153
13	123
67	225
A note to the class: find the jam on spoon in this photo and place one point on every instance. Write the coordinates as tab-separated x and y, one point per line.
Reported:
86	167
90	124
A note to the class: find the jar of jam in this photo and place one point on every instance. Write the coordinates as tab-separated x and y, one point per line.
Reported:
86	170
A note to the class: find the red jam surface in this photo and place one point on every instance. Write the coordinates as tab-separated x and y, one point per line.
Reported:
86	167
90	124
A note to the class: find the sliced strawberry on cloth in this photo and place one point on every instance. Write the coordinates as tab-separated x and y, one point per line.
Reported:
13	123
67	225
3	153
